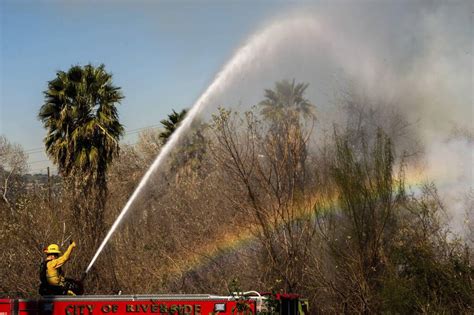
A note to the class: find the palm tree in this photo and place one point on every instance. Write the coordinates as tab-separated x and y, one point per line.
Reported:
81	119
83	129
286	100
171	124
287	136
193	144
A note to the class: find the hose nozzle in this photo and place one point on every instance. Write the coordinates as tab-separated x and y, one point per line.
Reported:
83	277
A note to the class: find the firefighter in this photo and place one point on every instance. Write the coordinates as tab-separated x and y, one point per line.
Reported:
52	276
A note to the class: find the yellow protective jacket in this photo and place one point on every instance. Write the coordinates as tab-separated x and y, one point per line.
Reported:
53	272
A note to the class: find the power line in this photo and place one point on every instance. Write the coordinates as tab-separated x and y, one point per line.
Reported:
41	161
41	150
35	162
131	131
40	170
52	166
34	150
126	133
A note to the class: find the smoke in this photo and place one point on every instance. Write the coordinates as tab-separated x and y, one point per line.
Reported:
436	88
411	57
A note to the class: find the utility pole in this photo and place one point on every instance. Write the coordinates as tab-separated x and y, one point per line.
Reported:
49	188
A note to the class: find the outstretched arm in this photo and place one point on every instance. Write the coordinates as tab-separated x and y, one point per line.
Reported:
61	260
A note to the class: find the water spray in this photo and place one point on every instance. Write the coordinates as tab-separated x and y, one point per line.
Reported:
237	65
242	56
265	42
161	156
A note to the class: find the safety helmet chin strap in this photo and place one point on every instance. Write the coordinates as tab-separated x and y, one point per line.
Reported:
51	256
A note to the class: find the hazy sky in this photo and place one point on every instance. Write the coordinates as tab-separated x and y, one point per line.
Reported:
162	53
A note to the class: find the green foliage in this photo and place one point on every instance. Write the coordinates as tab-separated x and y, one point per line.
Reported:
392	252
422	281
192	146
286	113
286	100
368	193
171	124
430	271
81	119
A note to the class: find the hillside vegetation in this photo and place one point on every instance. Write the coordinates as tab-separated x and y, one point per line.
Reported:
249	201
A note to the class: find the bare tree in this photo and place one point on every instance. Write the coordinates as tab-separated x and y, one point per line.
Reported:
267	175
13	164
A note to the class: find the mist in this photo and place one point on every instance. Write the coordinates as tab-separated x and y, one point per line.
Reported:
411	58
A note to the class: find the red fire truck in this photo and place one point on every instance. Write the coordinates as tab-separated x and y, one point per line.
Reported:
185	304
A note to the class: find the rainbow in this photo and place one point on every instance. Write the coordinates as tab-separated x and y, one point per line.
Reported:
232	240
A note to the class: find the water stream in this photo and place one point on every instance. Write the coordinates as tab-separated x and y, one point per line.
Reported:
313	47
243	56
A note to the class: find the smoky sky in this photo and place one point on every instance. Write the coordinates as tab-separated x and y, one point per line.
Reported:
390	49
411	56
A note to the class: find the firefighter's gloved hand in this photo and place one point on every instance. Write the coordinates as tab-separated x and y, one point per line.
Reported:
73	244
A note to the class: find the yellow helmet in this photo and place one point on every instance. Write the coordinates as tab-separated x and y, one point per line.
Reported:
52	249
